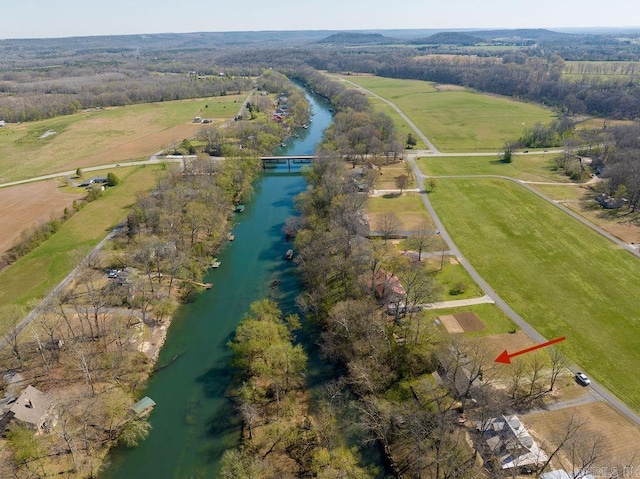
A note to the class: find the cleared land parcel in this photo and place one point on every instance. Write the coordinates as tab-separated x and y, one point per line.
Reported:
564	279
105	136
455	119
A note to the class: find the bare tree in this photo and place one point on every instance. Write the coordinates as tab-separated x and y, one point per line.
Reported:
11	316
389	225
421	240
558	363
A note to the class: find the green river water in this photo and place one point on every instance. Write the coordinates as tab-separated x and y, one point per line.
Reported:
193	422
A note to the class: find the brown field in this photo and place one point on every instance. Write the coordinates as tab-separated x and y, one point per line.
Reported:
24	206
620	439
139	147
469	322
461	322
389	173
450	323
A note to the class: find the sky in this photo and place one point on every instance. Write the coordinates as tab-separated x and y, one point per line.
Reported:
65	18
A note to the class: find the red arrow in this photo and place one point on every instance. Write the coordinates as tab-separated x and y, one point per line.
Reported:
505	357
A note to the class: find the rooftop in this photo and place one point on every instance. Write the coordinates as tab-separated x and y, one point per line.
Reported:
32	407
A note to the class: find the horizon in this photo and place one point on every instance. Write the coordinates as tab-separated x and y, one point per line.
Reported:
571	29
39	19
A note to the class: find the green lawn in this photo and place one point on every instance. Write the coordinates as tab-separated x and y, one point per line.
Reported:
493	318
529	167
104	136
564	279
34	275
455	119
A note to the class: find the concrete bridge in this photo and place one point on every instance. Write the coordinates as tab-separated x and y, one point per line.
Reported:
274	161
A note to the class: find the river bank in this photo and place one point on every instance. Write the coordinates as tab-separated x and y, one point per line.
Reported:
194	422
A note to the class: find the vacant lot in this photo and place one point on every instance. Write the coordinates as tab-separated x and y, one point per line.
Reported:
454	119
527	167
564	279
408	208
619	439
29	205
104	136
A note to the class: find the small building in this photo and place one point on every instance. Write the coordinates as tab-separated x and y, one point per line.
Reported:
508	439
388	287
562	474
144	406
3	123
33	409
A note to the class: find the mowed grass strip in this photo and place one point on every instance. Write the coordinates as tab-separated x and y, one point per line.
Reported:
105	136
34	275
564	279
528	167
458	120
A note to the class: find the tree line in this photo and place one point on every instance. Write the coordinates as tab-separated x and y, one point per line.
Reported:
31	100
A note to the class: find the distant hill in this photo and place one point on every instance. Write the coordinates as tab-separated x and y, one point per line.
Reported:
520	36
351	38
538	34
450	38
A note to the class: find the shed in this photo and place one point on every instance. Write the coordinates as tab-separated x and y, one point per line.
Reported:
144	406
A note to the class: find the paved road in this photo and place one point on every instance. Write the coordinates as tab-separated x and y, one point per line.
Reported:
57	290
489	292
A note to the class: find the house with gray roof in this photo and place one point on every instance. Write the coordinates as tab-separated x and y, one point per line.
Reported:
33	409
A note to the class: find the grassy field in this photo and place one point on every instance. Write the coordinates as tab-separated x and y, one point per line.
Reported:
104	136
42	269
493	318
455	119
564	279
529	167
408	208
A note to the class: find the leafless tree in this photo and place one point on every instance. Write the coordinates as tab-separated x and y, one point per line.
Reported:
11	317
389	225
559	362
421	240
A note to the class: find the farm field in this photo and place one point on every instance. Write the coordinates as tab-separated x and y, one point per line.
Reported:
455	119
104	136
34	275
28	205
527	167
564	279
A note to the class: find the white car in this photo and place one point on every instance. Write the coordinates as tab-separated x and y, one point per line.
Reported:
582	378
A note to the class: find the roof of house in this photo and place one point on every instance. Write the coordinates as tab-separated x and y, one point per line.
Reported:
507	437
387	283
143	405
562	474
32	406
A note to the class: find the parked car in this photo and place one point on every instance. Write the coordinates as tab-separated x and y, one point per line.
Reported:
582	379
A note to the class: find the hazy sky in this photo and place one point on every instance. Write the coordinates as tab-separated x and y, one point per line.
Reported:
61	18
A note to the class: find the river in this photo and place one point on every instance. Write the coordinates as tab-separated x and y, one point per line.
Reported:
193	422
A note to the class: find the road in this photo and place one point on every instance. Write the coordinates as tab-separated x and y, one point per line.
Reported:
491	295
515	317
